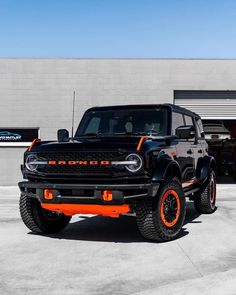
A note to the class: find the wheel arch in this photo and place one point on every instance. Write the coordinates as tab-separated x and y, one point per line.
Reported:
204	166
166	168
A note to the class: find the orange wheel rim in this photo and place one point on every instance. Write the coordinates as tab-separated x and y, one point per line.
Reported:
212	190
170	208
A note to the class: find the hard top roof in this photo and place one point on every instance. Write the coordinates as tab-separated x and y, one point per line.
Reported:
139	106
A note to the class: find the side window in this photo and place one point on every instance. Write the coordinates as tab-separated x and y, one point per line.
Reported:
200	131
188	120
177	120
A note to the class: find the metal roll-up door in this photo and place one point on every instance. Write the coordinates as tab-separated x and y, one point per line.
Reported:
208	104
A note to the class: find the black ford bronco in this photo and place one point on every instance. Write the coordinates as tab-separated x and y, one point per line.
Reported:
139	159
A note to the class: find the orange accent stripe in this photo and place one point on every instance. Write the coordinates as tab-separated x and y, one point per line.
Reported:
34	142
72	209
141	141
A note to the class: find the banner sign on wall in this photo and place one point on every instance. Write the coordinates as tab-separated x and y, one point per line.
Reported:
18	136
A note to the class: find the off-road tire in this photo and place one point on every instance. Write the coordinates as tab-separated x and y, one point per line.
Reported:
205	201
149	213
39	220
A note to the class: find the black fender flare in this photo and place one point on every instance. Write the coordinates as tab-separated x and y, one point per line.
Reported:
165	167
204	166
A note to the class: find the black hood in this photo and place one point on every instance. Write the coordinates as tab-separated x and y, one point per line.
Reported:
93	143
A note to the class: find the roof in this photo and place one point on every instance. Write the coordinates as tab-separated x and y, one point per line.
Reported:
172	106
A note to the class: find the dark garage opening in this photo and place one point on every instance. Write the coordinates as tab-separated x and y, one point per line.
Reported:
221	139
219	108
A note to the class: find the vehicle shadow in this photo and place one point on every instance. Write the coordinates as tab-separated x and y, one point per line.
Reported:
120	230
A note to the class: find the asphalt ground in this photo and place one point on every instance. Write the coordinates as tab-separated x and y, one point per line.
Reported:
98	255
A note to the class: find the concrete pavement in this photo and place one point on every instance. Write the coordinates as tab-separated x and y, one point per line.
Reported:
98	255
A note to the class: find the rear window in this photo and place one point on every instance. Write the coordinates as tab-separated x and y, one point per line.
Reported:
212	123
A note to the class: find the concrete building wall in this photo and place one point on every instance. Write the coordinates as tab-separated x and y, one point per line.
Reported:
38	92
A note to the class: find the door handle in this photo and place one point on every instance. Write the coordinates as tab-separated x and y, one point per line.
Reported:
189	152
200	151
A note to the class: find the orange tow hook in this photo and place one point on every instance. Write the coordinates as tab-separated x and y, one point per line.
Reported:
107	196
48	194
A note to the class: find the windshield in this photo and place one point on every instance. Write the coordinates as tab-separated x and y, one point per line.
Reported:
124	122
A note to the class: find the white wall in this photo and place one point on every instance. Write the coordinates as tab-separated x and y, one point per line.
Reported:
38	92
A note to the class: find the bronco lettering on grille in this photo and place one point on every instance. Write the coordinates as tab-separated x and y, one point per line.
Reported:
80	162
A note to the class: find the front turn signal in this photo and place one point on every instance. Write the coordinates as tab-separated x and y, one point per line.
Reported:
48	194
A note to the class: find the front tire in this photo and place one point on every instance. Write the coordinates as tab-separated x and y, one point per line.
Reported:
205	202
162	218
39	220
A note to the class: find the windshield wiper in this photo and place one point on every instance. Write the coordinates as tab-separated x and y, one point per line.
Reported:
89	134
150	133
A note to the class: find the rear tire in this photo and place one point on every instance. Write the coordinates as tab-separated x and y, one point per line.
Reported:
161	218
39	220
205	202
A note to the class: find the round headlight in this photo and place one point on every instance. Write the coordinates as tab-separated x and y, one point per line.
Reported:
136	163
31	162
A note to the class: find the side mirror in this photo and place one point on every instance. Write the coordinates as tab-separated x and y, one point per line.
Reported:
185	132
62	135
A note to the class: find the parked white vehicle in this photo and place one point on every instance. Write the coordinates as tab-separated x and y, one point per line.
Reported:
215	130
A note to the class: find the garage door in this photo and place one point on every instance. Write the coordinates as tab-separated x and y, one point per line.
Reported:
208	104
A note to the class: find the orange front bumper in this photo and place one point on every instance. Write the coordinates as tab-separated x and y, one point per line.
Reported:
72	209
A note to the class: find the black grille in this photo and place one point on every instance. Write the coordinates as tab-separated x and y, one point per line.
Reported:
82	156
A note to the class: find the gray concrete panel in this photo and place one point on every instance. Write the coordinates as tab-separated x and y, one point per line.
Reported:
38	92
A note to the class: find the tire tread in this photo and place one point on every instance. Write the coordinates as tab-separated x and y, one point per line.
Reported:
147	218
202	200
30	211
26	214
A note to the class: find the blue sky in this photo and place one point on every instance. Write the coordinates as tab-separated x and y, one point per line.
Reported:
118	28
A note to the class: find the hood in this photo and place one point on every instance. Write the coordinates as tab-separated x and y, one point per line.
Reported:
93	143
101	143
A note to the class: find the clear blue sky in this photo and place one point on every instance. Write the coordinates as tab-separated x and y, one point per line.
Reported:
118	28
